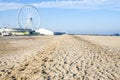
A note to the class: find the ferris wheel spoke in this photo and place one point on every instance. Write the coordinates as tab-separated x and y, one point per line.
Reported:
30	12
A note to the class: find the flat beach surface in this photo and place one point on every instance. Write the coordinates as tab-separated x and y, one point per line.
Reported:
65	57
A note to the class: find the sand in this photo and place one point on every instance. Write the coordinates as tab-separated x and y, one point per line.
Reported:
66	57
108	41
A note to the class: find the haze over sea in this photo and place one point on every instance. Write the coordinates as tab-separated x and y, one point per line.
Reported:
71	16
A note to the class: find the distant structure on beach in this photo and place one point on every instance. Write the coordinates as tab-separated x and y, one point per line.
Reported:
117	34
14	31
20	31
29	23
28	20
44	31
59	33
28	17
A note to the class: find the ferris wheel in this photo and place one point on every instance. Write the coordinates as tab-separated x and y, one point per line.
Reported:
29	17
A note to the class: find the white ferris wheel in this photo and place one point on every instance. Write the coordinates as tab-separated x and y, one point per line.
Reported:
29	17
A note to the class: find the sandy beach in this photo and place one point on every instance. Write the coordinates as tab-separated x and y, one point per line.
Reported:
65	57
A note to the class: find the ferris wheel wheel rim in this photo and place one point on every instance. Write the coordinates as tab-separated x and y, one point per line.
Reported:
18	14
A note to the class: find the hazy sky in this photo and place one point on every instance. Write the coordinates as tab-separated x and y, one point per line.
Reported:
71	16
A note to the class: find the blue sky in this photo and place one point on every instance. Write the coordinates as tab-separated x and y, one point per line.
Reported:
71	16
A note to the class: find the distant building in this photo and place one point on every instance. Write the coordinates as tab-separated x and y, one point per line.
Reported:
43	31
59	33
117	34
14	31
20	31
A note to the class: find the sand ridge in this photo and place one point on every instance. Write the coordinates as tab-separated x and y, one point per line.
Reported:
63	58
